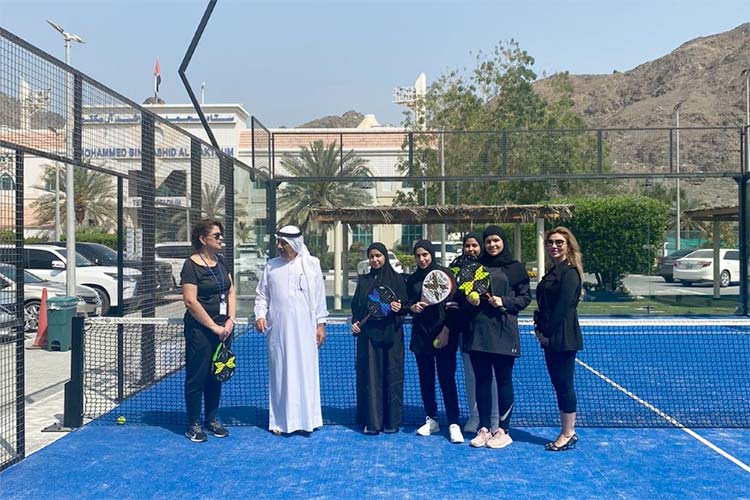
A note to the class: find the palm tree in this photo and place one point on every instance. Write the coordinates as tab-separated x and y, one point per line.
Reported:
320	160
212	207
95	198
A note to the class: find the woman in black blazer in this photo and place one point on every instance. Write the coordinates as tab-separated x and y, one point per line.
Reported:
557	328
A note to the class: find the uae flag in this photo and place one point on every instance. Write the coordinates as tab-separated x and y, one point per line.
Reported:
157	76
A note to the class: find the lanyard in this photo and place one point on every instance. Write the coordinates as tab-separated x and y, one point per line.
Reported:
220	285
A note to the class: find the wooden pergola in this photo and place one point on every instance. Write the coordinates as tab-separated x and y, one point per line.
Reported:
439	214
442	214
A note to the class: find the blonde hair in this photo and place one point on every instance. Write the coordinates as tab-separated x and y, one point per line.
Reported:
574	256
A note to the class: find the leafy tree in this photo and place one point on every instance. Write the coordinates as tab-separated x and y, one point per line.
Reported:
94	203
321	160
618	235
513	131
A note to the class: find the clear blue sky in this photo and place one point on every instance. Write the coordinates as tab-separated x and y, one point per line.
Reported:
289	62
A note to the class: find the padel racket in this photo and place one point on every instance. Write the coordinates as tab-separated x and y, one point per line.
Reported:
474	278
437	287
223	362
379	303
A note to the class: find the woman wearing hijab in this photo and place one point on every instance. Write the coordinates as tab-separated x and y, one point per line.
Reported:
458	323
557	326
433	346
380	348
495	344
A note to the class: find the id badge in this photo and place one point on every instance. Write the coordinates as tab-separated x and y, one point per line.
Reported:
223	308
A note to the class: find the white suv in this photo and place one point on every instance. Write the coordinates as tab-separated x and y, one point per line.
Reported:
49	262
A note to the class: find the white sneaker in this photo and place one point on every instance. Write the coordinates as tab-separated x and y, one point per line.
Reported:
455	432
430	426
499	439
471	425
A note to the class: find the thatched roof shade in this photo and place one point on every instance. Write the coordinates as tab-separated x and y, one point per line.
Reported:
715	213
437	214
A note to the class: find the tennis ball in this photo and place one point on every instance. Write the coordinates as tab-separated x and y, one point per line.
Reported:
473	296
121	420
435	343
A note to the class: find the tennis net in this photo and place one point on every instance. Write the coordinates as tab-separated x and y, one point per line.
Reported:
632	373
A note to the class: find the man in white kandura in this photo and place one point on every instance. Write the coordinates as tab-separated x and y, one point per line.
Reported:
290	307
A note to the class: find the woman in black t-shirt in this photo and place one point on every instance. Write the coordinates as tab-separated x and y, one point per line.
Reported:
209	320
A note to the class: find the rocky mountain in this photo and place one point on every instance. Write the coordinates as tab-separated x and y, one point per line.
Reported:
350	119
704	77
703	74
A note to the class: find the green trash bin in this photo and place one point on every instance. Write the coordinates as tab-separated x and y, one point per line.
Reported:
60	312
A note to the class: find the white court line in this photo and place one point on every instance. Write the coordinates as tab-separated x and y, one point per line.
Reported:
666	417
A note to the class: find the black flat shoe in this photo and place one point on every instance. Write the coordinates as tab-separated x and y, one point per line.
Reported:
370	432
391	430
572	440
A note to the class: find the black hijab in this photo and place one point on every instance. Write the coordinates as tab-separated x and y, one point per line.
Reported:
515	271
387	276
464	258
420	273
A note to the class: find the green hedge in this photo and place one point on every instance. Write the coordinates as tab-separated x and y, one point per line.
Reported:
618	235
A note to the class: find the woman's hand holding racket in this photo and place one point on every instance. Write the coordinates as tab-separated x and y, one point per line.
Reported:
381	301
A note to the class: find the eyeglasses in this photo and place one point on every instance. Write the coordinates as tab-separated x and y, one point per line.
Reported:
216	236
555	243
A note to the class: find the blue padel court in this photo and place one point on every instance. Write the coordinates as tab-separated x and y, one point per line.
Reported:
136	461
664	412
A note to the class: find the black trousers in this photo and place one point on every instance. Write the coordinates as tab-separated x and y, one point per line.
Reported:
561	367
380	382
200	383
484	363
445	360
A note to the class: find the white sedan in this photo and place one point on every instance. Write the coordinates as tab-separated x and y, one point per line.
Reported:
699	266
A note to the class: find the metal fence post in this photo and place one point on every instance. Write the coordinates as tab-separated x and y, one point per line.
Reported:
20	324
73	409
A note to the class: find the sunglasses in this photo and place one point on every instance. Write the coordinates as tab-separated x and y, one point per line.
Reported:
216	236
556	243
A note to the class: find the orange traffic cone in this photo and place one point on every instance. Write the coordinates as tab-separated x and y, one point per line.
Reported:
41	331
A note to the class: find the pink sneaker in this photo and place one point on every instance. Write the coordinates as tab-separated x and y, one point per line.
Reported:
480	440
500	439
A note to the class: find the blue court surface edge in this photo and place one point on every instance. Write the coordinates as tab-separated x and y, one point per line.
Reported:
140	461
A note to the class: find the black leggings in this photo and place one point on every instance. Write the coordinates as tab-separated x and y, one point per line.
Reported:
561	366
484	363
200	382
445	359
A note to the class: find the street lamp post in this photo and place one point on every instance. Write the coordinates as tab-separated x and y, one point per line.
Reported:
678	242
70	275
746	74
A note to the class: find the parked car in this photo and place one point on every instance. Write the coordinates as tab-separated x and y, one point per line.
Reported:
89	302
174	253
364	266
49	262
102	255
452	250
699	266
665	265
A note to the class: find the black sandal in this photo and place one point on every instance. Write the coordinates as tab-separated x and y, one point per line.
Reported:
572	440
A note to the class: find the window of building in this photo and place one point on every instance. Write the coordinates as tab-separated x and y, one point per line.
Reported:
6	182
410	233
363	234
